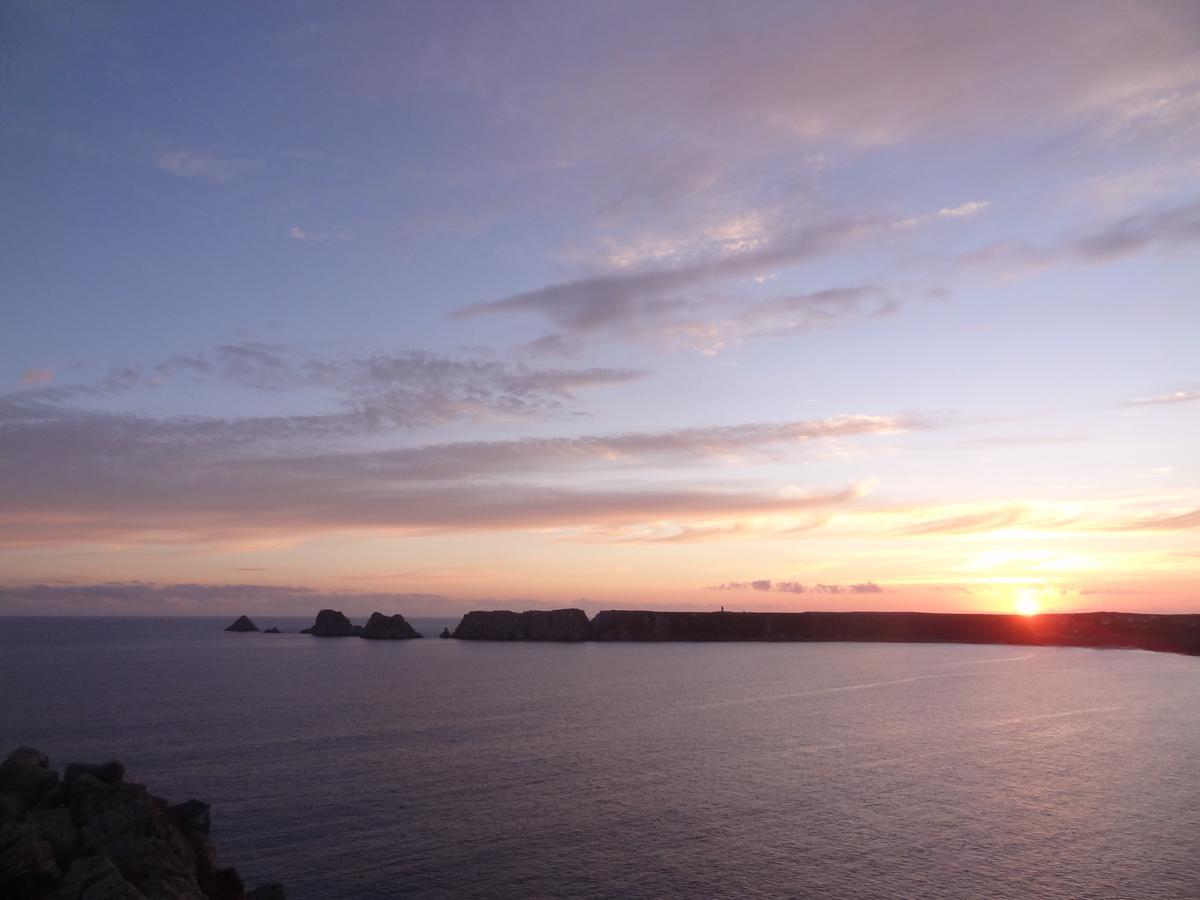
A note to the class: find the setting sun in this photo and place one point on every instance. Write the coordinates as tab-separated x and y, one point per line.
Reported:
1027	602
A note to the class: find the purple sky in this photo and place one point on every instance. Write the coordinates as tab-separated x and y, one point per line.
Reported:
764	305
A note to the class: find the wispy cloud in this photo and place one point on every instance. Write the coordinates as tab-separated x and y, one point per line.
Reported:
193	164
795	587
37	376
373	391
630	302
1176	226
256	600
89	476
971	208
1166	399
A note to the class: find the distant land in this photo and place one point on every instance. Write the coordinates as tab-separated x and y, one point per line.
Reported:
1139	631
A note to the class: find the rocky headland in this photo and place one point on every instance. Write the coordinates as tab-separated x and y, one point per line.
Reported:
1169	633
534	625
91	835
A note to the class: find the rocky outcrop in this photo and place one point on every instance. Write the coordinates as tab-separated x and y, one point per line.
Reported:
534	625
242	623
271	630
332	623
445	633
388	628
94	836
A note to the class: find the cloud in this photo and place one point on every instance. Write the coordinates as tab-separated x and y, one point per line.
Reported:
1171	522
37	376
296	233
374	391
149	598
629	303
972	523
192	164
1165	399
1176	226
967	209
795	587
78	476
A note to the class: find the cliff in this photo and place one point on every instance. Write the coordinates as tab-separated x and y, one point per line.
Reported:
388	628
534	625
1174	633
93	836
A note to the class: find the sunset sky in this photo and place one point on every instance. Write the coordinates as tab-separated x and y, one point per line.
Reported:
425	307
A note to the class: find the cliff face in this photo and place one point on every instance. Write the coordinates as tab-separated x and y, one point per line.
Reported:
534	625
388	628
1175	633
93	836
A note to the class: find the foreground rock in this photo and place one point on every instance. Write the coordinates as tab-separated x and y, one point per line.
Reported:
388	628
534	625
332	623
242	623
93	836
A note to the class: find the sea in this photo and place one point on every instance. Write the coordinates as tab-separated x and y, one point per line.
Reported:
346	768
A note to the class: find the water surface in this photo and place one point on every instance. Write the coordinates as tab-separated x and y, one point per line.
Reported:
351	768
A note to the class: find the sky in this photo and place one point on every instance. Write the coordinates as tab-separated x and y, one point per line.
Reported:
426	307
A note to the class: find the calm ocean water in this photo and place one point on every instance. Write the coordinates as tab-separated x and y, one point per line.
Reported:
350	768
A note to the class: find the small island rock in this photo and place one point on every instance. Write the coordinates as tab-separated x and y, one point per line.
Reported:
445	633
271	630
242	623
332	623
388	628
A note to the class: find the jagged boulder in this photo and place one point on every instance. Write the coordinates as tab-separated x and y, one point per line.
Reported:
445	633
332	623
94	836
242	623
390	628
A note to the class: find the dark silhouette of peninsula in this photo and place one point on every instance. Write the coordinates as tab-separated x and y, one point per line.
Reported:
534	625
1141	631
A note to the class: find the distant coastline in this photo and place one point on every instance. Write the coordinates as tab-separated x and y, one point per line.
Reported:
1168	633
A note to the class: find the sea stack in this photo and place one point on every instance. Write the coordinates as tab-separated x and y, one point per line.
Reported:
242	623
332	623
388	628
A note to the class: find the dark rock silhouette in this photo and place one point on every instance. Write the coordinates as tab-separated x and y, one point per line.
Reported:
242	623
1142	631
271	630
93	836
534	625
445	633
332	623
1174	633
388	628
